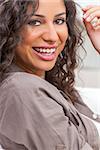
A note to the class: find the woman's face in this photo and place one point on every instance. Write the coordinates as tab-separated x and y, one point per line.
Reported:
43	38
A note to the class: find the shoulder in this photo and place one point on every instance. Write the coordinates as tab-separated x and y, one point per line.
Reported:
30	92
15	88
26	88
19	79
22	80
26	83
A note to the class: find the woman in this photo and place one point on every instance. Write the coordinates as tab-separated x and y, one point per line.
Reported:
38	100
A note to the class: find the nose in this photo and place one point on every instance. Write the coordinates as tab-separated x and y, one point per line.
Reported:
50	35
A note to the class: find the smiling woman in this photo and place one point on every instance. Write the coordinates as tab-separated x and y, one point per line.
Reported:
40	109
46	35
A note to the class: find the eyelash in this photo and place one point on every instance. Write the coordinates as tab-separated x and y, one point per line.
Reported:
60	21
38	22
34	22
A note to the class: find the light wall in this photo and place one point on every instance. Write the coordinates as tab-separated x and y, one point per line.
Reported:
88	75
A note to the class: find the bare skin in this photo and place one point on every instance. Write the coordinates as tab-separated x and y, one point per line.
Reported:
43	38
92	13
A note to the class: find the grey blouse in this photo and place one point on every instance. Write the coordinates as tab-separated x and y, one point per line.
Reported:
35	115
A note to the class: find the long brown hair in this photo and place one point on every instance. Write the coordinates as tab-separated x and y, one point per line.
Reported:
63	73
13	15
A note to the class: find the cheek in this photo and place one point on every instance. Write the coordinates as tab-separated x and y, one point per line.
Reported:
29	35
63	35
27	39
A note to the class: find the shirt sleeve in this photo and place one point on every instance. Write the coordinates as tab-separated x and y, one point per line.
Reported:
31	120
22	122
15	129
7	144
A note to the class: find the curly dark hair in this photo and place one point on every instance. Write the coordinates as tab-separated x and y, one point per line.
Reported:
63	73
13	15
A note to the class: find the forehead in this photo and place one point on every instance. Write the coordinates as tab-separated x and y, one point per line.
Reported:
51	4
51	1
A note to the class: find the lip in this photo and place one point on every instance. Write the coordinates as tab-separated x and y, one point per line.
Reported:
45	56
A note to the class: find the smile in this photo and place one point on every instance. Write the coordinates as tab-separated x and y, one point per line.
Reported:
45	50
47	54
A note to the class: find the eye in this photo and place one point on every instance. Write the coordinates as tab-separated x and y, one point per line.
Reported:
34	22
60	21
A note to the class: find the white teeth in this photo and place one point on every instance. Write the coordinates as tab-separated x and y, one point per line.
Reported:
45	50
53	50
41	50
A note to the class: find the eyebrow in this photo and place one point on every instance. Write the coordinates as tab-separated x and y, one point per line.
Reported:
42	16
